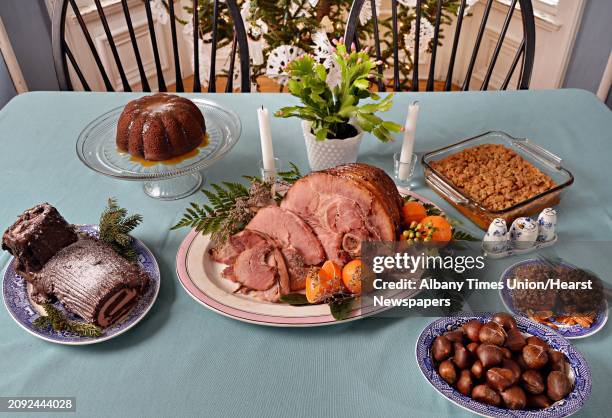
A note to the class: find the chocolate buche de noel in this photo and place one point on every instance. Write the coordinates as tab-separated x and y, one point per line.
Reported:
85	274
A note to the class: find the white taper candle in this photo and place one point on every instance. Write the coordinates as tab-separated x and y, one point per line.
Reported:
267	152
408	144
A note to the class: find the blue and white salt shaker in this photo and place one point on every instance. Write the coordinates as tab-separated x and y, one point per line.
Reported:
523	232
547	222
496	238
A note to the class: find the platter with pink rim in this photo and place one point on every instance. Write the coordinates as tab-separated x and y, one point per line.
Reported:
201	278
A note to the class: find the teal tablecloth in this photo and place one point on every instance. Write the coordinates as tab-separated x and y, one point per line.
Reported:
184	360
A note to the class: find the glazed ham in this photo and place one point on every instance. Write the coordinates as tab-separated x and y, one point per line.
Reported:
324	215
346	205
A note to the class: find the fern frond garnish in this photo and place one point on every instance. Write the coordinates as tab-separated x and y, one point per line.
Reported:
115	227
290	176
232	205
57	320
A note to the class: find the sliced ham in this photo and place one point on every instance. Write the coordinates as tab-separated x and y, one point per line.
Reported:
236	244
290	230
346	205
256	262
253	267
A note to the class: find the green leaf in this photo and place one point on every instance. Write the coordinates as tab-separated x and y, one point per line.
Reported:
295	299
340	308
463	236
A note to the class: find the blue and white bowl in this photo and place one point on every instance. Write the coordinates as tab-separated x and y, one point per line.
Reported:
21	309
579	370
568	331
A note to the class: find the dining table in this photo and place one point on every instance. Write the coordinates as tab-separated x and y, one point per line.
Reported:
186	360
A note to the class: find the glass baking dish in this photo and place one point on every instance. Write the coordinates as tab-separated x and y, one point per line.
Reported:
547	162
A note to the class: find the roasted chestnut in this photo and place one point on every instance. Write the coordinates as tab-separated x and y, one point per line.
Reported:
477	369
504	319
535	356
465	382
471	329
512	365
442	348
447	372
492	333
514	398
557	385
538	341
500	379
515	340
533	382
455	336
558	361
490	355
507	353
471	347
519	360
484	394
461	357
538	402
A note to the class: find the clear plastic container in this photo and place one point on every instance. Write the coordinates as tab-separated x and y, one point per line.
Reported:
547	162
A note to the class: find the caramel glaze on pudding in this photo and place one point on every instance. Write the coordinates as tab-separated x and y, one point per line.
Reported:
160	127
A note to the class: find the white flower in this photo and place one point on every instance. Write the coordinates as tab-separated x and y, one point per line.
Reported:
366	11
278	59
426	33
322	48
326	24
334	76
159	12
303	11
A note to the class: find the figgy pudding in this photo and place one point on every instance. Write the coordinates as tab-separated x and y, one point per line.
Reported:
494	363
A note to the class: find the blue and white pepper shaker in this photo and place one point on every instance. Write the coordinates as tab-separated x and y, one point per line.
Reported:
547	222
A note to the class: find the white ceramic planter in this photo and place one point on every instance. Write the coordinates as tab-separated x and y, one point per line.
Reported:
331	152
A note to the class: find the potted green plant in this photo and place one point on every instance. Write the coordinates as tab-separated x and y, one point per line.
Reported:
333	117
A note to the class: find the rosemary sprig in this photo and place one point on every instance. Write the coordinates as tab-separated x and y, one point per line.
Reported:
115	226
57	320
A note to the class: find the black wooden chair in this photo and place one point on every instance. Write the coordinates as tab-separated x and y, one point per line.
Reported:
524	54
62	53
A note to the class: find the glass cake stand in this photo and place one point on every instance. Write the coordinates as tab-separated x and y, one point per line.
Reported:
97	149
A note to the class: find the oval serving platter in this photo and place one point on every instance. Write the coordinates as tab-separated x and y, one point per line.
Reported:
24	311
568	331
201	278
579	370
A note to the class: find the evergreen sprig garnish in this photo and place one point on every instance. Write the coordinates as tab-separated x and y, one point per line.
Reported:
115	227
57	320
232	205
227	212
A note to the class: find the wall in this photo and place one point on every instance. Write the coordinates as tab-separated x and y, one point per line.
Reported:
592	47
28	25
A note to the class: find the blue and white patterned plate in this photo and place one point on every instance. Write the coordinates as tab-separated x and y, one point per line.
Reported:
568	331
565	407
24	312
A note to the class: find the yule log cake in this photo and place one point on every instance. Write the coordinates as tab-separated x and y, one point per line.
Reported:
86	275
